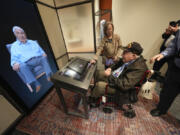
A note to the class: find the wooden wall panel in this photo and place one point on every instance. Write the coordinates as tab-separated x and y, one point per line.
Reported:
53	29
106	4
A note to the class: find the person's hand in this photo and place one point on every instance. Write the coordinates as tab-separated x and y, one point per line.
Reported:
157	57
168	31
16	67
92	61
107	72
44	55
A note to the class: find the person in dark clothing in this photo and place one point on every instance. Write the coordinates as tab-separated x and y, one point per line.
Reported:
171	86
178	22
168	36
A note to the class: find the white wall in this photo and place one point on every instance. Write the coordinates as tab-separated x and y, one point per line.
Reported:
77	27
144	21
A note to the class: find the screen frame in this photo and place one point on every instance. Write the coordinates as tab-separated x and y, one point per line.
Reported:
19	104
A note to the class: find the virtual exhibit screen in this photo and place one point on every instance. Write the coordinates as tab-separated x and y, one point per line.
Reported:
27	62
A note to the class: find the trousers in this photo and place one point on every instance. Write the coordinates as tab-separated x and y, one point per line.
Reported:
170	89
101	84
27	67
119	97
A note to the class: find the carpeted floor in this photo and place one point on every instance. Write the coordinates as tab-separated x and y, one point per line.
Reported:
49	119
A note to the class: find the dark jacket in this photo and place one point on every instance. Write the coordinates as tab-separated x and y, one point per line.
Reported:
130	76
165	37
128	79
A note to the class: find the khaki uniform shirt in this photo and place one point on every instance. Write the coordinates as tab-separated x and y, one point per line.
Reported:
109	49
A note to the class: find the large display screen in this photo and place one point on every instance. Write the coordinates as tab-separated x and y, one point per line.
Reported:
27	61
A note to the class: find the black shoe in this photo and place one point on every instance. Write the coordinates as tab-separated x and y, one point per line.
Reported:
94	105
93	102
156	112
107	109
129	113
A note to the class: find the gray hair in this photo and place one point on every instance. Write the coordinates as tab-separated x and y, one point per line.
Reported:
16	27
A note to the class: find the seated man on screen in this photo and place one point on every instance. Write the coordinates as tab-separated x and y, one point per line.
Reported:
121	77
27	54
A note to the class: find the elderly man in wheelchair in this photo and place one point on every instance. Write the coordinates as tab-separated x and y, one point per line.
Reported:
121	79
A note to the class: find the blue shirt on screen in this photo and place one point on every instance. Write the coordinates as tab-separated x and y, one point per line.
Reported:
22	52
